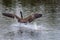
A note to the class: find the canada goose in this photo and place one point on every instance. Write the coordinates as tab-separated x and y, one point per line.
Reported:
23	20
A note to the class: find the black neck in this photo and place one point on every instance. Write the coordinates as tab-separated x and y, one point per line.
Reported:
21	14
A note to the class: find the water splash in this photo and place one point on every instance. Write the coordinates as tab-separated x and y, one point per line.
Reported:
25	31
17	26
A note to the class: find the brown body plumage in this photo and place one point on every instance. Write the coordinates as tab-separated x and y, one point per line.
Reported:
24	20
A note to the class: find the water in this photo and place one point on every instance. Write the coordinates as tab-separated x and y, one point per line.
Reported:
40	29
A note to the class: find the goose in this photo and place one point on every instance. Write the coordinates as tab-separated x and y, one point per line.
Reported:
29	19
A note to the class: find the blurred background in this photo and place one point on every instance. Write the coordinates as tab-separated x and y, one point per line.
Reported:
50	9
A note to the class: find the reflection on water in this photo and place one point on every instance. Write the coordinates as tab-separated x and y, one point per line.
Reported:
45	28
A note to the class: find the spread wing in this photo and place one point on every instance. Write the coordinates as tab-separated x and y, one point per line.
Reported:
8	15
27	19
33	17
